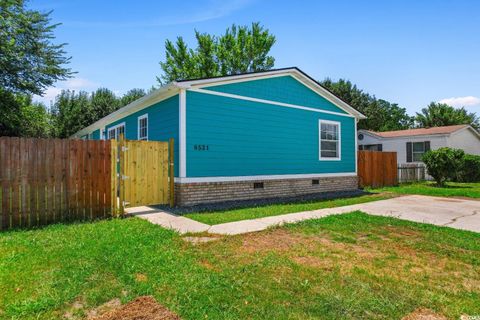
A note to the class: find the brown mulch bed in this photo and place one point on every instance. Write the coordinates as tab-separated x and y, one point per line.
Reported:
141	308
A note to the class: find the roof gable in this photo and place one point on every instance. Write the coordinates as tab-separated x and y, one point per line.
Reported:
285	89
288	85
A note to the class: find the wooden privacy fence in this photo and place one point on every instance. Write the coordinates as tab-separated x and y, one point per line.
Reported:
44	181
377	169
49	180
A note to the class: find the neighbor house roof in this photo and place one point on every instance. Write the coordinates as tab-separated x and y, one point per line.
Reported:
174	87
420	131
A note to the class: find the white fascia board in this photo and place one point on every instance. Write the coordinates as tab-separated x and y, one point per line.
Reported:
263	177
156	96
321	91
233	78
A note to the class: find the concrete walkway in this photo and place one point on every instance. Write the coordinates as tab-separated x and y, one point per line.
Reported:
454	213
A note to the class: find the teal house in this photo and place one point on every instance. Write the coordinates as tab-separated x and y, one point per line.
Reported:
257	135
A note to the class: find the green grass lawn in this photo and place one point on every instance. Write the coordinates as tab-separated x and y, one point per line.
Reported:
452	189
351	266
230	215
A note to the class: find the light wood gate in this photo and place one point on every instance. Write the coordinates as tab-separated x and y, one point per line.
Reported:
145	172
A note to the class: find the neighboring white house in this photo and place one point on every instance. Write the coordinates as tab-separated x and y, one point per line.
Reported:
411	144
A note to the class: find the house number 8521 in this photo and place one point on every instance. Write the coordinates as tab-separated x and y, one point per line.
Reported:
200	147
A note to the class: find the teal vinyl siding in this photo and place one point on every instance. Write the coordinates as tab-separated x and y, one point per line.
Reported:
284	89
247	138
96	135
163	122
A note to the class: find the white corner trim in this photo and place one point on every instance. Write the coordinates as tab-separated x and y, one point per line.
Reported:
263	177
339	157
281	104
143	116
356	147
182	105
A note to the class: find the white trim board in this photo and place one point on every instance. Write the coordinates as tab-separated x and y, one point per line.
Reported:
281	104
263	177
356	147
182	118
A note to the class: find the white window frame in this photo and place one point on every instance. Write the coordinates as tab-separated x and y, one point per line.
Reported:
339	141
144	116
115	129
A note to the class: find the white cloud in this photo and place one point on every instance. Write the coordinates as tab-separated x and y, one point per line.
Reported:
76	84
468	101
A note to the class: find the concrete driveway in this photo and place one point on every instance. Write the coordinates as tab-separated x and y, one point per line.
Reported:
454	213
451	212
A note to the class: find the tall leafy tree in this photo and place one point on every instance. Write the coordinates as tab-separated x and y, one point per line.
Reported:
131	96
29	61
441	114
29	119
240	49
381	114
73	111
102	102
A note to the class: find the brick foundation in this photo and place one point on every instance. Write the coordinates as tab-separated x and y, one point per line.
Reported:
188	194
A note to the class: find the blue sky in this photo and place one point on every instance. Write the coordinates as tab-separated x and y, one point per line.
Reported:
409	52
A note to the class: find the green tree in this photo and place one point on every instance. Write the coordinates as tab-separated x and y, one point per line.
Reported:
29	61
102	102
441	114
131	96
71	112
381	114
20	117
241	49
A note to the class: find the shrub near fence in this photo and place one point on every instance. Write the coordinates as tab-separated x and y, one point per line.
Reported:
49	180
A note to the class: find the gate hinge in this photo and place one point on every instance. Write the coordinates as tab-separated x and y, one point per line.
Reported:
124	149
124	177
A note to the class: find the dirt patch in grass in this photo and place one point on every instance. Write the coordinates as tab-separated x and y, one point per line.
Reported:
279	240
104	308
391	252
142	308
315	262
424	314
140	277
